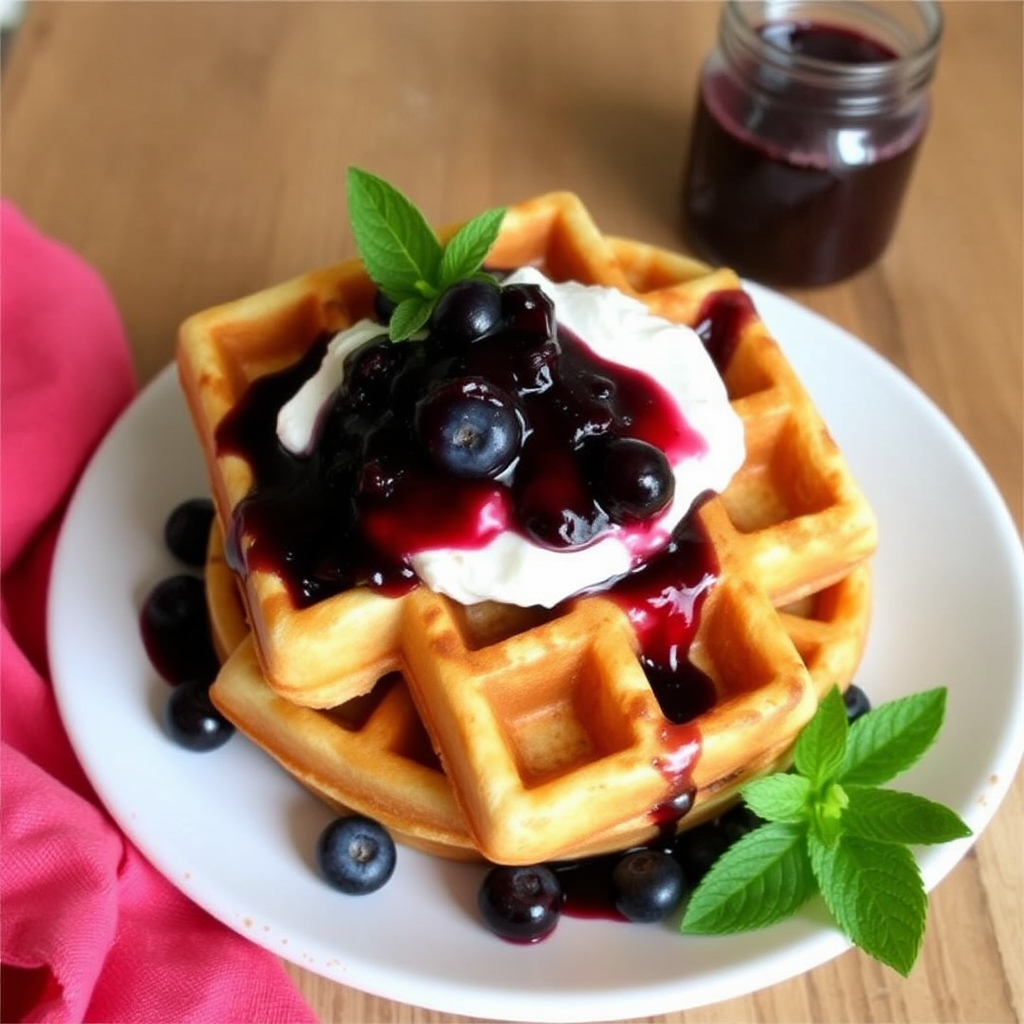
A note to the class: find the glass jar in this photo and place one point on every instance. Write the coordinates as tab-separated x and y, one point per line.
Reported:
809	120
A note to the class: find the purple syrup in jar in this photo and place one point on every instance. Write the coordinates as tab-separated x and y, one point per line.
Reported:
805	135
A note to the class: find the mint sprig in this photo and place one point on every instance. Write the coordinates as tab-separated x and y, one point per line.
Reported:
404	256
832	829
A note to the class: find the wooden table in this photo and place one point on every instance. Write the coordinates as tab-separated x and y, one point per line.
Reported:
196	152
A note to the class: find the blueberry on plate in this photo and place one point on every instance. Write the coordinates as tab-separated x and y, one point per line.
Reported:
469	428
356	855
698	848
856	702
176	630
521	904
191	720
187	531
647	885
738	821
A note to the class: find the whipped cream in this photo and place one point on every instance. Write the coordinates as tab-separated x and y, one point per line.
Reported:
511	568
298	418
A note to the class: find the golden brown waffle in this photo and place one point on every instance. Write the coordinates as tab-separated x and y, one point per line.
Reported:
337	753
550	735
370	755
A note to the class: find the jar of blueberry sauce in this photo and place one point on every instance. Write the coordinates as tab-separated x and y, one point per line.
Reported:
809	119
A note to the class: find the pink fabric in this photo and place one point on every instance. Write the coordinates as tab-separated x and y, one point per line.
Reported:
90	931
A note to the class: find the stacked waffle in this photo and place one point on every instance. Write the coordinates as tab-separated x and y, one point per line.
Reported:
525	735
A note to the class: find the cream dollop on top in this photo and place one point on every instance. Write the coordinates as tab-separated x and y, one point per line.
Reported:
511	568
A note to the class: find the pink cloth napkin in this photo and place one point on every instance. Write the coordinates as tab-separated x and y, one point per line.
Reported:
90	931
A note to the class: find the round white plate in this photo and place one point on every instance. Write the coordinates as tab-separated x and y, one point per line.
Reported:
236	834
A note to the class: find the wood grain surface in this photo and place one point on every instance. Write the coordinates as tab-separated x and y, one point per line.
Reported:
194	152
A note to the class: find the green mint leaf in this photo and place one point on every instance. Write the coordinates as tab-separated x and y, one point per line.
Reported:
408	317
875	893
827	815
764	877
890	816
399	249
425	290
892	737
779	797
822	743
466	250
482	275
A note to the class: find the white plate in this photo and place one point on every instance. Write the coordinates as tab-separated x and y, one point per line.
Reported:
235	833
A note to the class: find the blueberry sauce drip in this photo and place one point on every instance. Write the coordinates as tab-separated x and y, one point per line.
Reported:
299	518
720	321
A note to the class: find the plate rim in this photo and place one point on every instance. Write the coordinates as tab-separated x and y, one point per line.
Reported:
567	1006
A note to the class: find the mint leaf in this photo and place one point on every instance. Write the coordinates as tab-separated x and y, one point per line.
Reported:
889	816
822	743
408	317
466	250
398	248
827	815
892	737
779	797
874	892
764	877
831	828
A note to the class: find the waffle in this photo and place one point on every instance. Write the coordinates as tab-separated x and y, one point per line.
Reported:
337	753
370	755
551	738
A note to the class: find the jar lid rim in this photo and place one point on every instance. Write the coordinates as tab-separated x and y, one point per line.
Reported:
738	14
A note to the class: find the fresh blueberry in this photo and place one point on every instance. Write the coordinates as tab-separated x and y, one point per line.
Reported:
647	885
857	703
469	428
528	311
175	629
187	531
191	720
521	904
356	855
633	479
738	821
698	849
467	311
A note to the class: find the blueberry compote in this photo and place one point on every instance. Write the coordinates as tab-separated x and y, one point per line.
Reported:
389	474
511	423
797	170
